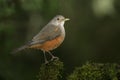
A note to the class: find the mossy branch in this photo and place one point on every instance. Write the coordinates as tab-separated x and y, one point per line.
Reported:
96	71
89	71
51	71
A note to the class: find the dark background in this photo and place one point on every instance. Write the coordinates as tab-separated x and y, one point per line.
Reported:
92	34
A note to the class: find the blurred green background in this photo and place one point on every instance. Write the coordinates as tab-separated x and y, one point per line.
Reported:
92	34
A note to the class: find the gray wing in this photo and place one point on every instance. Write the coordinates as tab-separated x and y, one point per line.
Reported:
49	32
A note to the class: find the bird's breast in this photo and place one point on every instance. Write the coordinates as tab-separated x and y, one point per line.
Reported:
49	45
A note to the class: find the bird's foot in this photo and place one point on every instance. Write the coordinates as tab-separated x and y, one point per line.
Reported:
54	58
46	62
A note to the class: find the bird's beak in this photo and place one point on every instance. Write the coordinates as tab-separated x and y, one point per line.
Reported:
66	19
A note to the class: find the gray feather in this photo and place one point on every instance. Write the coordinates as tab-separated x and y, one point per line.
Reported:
20	49
46	34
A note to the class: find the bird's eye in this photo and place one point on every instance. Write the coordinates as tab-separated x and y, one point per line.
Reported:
58	19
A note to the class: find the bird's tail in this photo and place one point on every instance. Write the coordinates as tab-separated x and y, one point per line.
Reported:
20	49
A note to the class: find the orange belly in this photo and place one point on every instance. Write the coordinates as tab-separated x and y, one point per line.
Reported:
49	45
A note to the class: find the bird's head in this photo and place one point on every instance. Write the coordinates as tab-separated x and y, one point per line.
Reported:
59	20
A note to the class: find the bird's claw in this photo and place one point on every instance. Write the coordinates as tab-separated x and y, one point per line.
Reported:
54	58
46	62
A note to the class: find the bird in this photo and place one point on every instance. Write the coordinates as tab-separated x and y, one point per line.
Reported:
49	38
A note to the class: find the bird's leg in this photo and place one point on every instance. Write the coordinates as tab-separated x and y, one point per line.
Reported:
53	57
45	58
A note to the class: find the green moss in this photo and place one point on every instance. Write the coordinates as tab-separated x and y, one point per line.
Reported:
94	71
51	71
89	71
